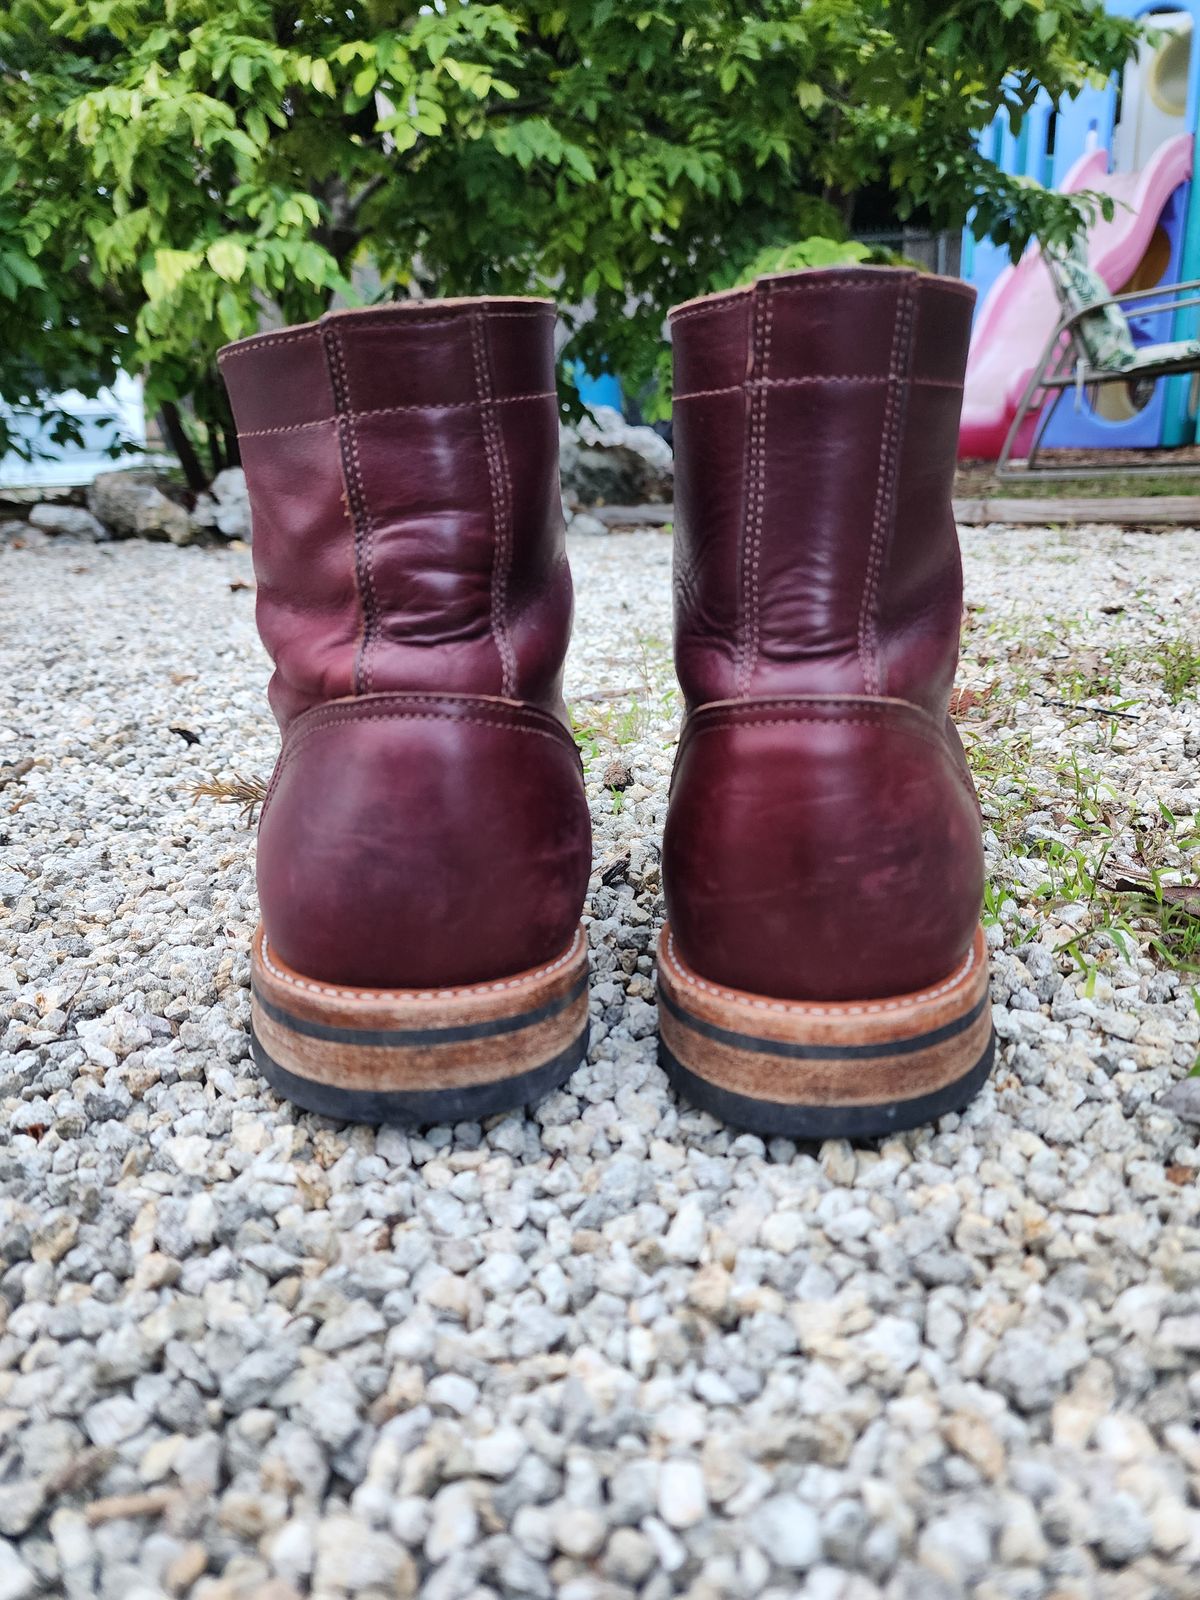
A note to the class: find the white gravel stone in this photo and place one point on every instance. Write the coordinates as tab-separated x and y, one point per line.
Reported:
453	1523
16	1580
682	1498
74	521
685	1237
578	1531
498	1453
788	1531
605	1348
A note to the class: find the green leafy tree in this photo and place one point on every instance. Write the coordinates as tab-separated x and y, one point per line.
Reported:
176	173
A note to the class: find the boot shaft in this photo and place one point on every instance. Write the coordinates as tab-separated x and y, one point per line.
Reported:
816	420
429	829
402	465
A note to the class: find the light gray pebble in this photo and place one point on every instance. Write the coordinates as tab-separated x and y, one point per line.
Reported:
788	1531
453	1522
1125	1531
608	1348
16	1580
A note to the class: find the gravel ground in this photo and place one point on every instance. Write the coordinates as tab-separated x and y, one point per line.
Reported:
610	1348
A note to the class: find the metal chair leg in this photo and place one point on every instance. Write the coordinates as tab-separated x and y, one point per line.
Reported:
1048	367
1039	433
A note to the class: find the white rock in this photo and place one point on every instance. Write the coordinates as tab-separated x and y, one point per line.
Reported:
788	1532
498	1454
190	1153
292	1550
110	1421
588	526
350	1558
893	1343
450	1391
578	1532
71	520
784	1231
957	1546
358	1322
685	1237
16	1580
682	1497
453	1524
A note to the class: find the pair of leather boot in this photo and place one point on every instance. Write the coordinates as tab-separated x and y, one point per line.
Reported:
424	848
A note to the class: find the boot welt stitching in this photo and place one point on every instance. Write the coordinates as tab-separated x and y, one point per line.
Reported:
755	488
563	740
254	343
828	280
357	501
818	278
895	411
500	485
734	717
825	377
421	994
875	708
756	560
860	1008
387	411
731	719
382	319
345	718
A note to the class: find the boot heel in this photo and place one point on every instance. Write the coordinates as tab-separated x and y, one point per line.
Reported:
849	1069
419	1056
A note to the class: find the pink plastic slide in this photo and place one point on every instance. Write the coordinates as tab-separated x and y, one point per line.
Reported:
1021	308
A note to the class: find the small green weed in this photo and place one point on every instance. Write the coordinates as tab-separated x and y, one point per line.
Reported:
1179	663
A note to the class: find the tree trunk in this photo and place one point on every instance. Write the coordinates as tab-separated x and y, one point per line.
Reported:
176	433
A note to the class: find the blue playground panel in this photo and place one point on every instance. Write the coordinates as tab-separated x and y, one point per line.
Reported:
1084	428
1045	148
604	390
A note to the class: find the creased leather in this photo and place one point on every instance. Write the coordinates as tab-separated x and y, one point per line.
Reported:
811	853
427	822
402	466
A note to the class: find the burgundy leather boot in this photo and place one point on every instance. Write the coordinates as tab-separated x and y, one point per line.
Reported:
823	972
424	847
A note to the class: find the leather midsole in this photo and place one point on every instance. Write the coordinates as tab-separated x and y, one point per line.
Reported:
829	1053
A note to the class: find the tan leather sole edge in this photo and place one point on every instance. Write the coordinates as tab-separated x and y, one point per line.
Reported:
824	1069
423	1055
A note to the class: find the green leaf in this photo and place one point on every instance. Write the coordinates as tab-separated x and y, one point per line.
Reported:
1047	26
579	162
227	258
322	78
169	270
23	270
229	314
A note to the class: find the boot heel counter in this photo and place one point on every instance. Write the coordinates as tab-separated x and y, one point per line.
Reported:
822	849
414	841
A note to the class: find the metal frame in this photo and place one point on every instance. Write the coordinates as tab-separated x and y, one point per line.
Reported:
1051	377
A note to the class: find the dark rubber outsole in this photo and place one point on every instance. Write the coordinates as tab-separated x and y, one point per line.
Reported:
813	1123
422	1108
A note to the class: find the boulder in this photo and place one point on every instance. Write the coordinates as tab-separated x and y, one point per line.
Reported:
225	509
581	522
604	460
132	505
74	521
